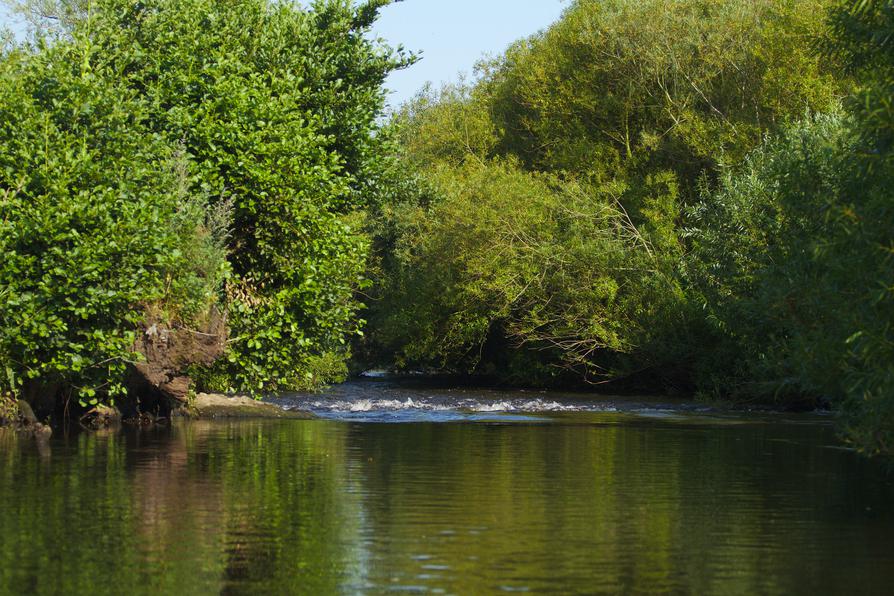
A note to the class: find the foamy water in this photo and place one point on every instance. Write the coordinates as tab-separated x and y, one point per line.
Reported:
388	401
440	404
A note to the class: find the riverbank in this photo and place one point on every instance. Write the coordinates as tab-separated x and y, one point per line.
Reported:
217	405
18	414
415	398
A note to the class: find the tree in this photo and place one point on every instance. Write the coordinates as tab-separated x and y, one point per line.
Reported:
140	123
632	105
97	225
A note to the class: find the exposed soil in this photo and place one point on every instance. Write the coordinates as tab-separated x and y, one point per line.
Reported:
159	384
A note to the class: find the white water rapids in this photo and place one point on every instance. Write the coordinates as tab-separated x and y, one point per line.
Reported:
388	401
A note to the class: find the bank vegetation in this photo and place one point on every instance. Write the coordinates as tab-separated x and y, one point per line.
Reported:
655	195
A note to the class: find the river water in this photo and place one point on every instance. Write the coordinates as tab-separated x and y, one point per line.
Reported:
401	489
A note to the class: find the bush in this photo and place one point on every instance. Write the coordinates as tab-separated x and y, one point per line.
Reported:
96	224
510	260
795	255
162	158
757	242
588	140
276	104
804	300
269	111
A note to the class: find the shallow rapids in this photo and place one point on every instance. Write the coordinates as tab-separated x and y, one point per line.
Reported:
382	400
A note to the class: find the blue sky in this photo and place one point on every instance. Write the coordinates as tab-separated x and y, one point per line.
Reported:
454	34
5	20
451	35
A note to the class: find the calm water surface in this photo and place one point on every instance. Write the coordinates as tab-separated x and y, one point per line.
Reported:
413	490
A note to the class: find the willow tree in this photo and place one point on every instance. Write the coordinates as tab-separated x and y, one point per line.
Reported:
632	102
795	248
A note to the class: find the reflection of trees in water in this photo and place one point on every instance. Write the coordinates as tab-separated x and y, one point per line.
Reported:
261	499
325	507
640	507
484	501
62	518
202	507
177	514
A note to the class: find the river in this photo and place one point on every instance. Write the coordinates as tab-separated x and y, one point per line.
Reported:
411	489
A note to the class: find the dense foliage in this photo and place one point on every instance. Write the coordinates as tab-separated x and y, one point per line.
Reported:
98	227
164	159
665	191
277	106
603	124
758	242
619	87
505	258
796	248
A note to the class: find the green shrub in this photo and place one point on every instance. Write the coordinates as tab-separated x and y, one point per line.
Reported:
515	260
243	120
804	300
794	252
757	246
161	159
276	104
96	223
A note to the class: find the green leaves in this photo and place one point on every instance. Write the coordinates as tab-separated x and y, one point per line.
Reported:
151	144
508	260
97	226
539	215
276	107
790	255
636	86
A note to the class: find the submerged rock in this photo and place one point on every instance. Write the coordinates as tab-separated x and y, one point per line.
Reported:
100	417
216	405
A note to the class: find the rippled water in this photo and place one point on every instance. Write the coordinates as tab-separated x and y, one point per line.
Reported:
483	494
405	401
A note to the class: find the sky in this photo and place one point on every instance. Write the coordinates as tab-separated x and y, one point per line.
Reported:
451	35
5	19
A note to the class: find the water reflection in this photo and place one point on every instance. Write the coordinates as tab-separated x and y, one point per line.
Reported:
589	503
